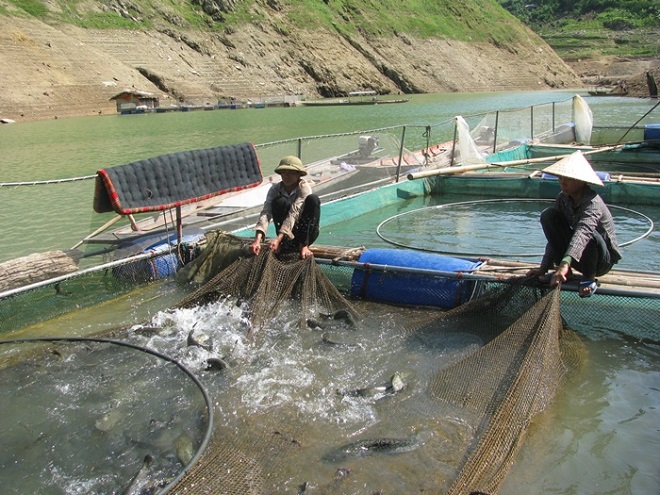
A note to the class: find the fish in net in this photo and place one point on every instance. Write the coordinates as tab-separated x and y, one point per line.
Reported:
496	390
270	282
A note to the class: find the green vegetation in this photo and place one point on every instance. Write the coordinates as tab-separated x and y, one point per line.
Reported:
470	20
574	28
616	15
582	28
35	8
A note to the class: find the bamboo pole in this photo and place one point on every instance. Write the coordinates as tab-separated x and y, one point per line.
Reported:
103	227
449	170
470	168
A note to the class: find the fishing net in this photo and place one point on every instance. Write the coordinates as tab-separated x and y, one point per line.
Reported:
504	384
269	282
491	391
496	390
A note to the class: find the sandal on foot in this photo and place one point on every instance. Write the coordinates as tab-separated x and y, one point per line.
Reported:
587	288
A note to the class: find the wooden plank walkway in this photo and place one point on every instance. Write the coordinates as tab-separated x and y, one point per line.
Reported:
622	282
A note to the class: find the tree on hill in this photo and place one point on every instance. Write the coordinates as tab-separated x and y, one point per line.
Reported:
615	15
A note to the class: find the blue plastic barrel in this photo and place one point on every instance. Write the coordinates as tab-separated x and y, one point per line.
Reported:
164	264
651	132
412	288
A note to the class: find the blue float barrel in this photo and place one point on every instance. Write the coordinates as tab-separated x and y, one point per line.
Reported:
412	288
651	132
164	264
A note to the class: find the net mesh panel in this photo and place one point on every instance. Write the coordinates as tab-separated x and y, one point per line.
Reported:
504	384
497	389
520	125
268	282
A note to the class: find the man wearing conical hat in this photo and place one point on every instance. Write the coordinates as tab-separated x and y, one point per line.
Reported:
294	210
579	227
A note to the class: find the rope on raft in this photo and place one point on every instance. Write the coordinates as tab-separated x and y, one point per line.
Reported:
46	182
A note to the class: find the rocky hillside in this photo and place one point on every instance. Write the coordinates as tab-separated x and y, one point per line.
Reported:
54	69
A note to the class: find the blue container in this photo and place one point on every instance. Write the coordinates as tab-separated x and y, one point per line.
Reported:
413	288
651	131
161	266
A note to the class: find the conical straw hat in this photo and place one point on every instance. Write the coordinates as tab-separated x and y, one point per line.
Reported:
575	166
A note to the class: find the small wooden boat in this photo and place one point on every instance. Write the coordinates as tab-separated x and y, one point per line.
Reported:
617	90
354	98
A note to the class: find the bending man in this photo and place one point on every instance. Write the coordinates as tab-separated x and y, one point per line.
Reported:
294	210
579	227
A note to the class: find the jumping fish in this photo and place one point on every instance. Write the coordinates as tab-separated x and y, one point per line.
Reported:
334	341
340	314
216	364
200	341
369	446
313	324
396	384
57	353
147	331
109	420
140	479
184	449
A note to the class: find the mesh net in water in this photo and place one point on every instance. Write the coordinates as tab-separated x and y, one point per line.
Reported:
503	385
495	390
269	282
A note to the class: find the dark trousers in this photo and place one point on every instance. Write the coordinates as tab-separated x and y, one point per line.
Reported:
306	229
595	260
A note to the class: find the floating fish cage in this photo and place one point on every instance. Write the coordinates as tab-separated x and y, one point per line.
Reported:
314	408
427	379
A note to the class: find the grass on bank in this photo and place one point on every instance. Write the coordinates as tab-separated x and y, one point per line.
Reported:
470	20
586	28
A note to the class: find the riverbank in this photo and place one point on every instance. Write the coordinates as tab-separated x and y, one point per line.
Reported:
60	70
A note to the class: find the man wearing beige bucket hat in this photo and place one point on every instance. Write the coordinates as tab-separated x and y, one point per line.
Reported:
294	210
579	227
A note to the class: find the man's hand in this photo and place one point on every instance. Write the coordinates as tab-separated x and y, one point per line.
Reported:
255	247
275	244
305	252
559	276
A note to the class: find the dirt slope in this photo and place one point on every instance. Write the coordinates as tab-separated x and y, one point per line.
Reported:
54	72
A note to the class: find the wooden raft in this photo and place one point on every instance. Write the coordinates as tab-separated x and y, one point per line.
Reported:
619	280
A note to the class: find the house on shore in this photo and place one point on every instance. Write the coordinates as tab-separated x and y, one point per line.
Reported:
134	101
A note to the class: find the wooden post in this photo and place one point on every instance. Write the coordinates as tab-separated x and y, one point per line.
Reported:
179	226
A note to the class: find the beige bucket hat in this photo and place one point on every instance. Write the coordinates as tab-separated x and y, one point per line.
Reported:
291	163
575	166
